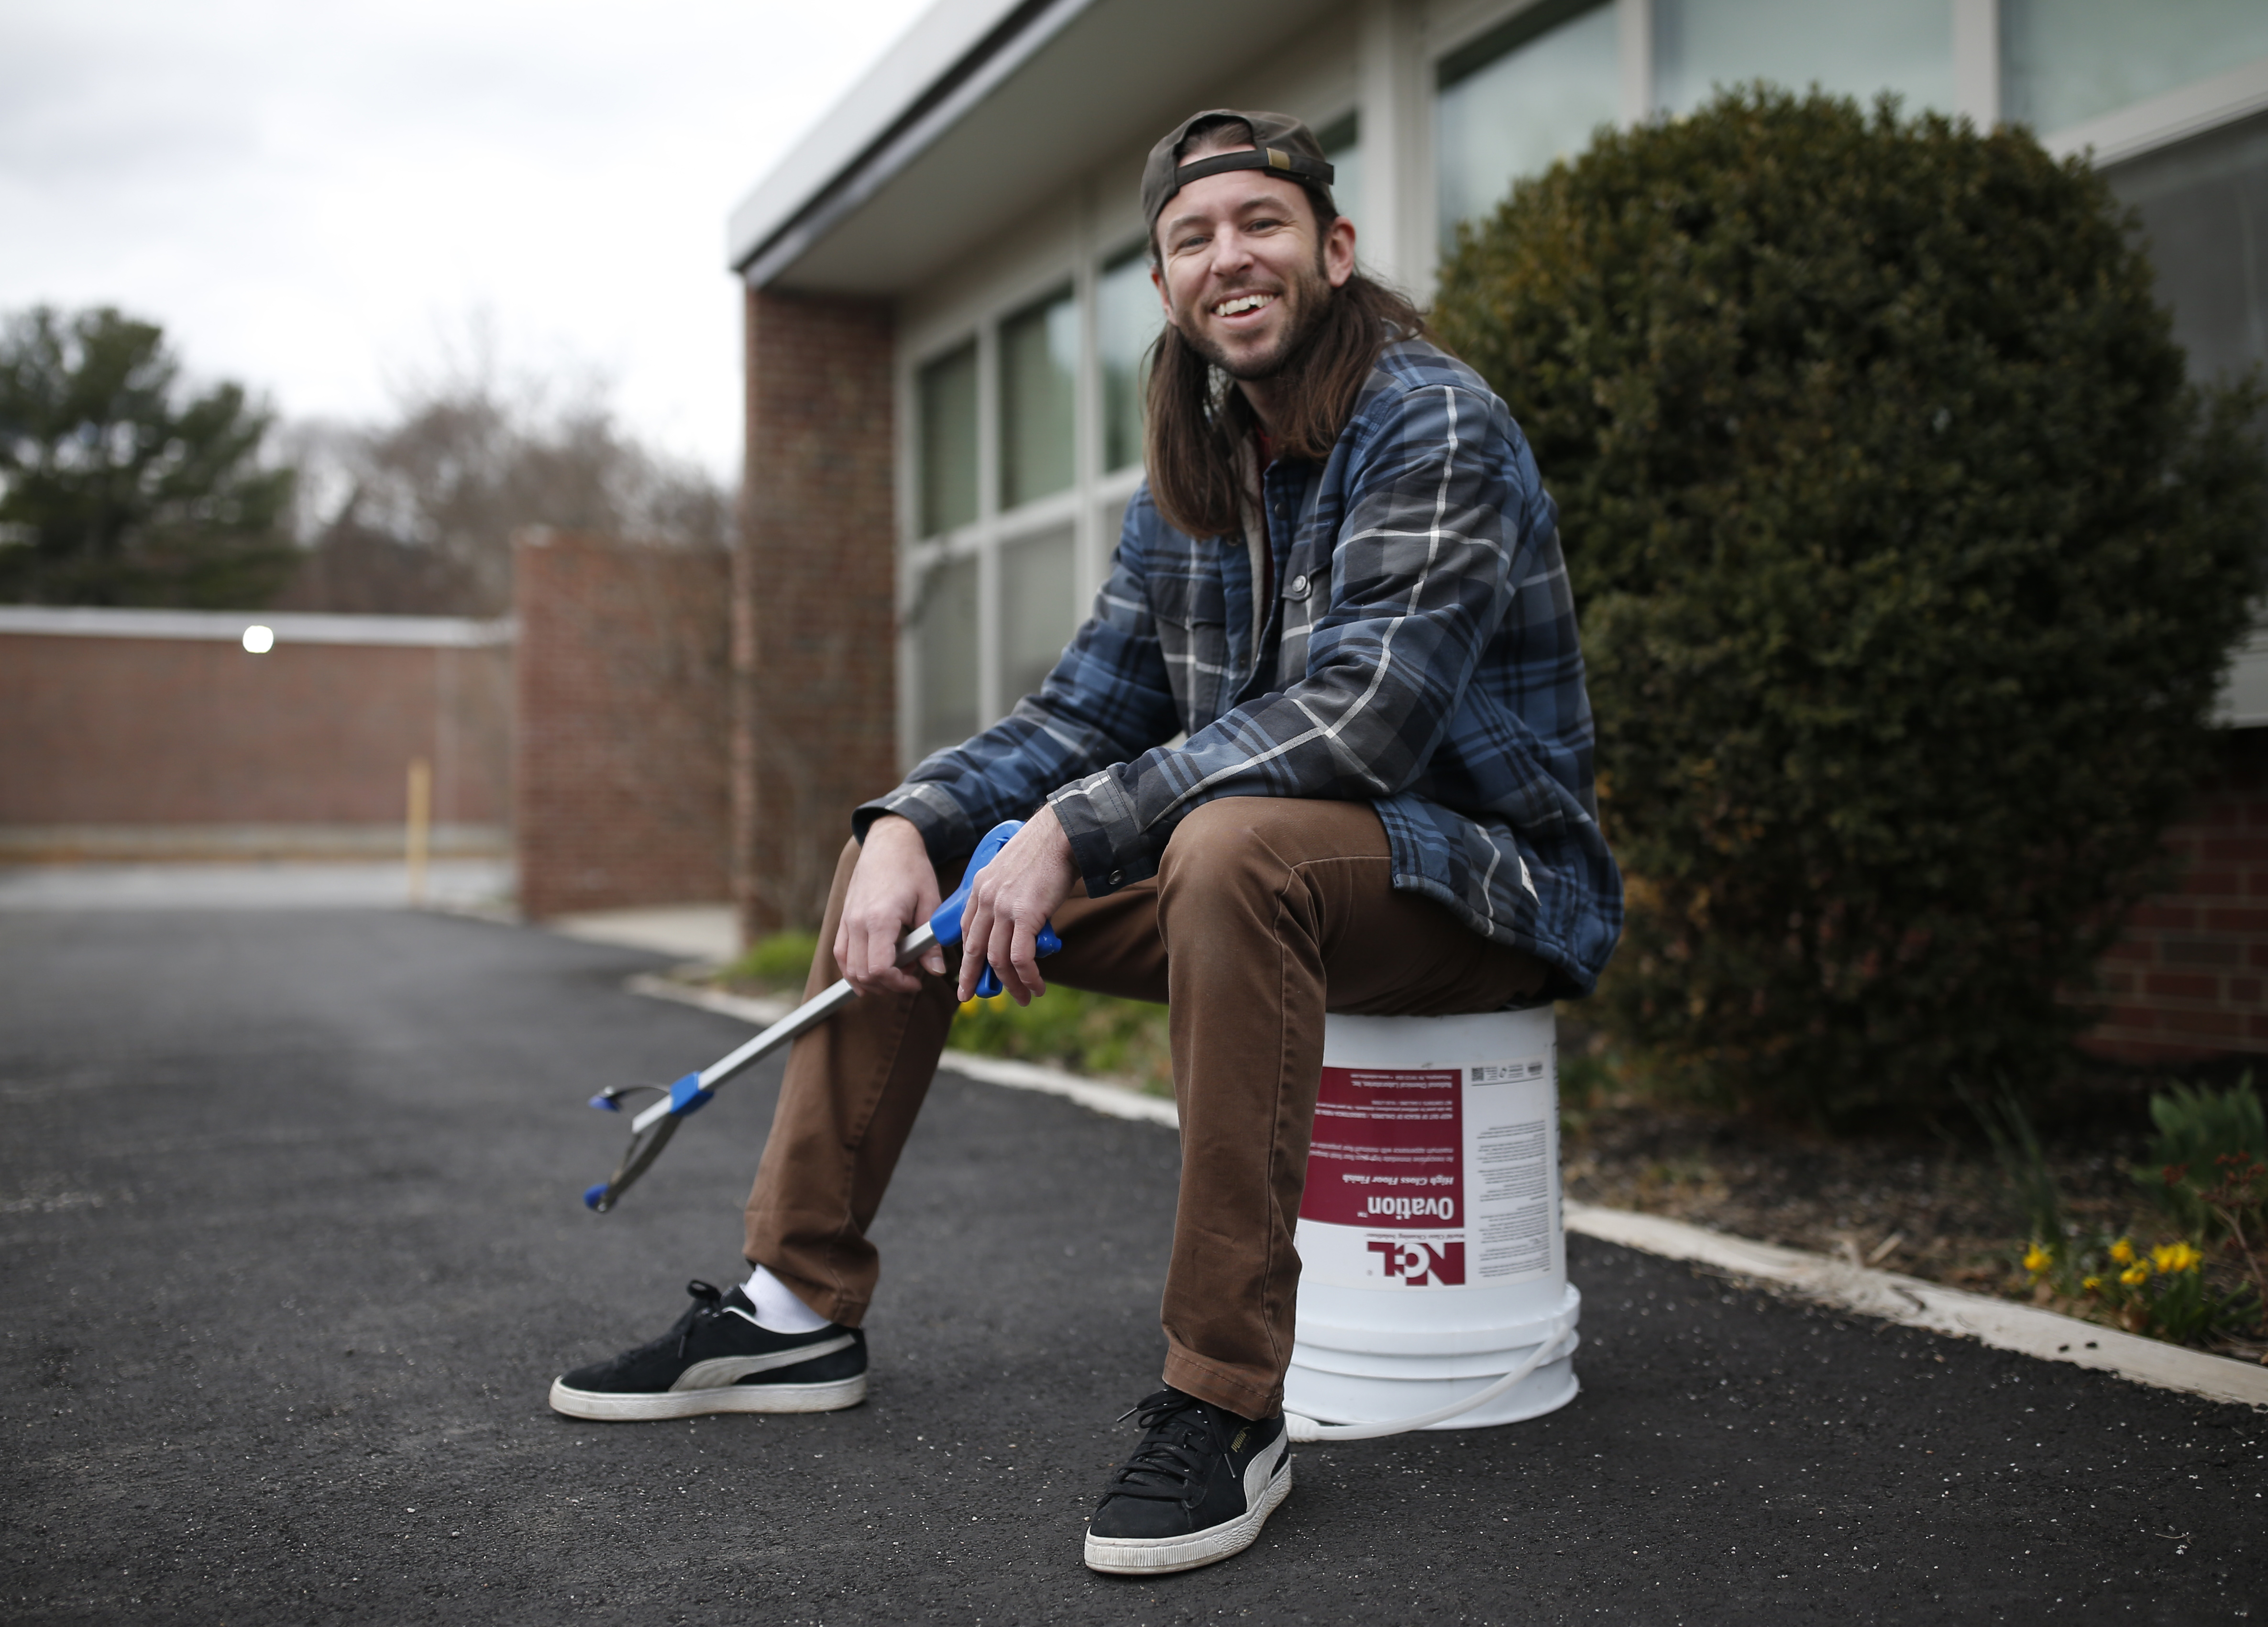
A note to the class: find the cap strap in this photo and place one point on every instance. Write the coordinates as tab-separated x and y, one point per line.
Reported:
1274	158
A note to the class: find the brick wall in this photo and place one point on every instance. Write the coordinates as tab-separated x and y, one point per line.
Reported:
814	619
619	745
102	733
2186	981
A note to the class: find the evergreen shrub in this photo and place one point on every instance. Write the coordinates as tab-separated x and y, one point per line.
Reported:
1907	563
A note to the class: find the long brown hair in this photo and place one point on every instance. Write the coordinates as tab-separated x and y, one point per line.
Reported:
1196	418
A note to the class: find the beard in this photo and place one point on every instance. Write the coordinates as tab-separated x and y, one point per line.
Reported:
1307	298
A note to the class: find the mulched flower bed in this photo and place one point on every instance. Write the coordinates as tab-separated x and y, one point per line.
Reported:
1928	1210
1933	1207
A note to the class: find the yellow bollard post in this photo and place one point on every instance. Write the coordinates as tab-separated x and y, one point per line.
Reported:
421	827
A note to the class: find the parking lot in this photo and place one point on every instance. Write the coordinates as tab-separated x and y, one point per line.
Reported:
291	1250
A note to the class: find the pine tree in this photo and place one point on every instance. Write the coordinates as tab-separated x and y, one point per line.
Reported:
121	486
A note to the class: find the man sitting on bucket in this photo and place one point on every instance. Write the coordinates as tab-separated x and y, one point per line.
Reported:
1342	581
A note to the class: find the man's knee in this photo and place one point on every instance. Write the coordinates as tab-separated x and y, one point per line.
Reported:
1218	845
1245	841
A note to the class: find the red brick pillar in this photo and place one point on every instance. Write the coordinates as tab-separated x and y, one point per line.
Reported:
621	706
814	622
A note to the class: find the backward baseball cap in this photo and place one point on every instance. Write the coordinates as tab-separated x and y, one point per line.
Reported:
1280	144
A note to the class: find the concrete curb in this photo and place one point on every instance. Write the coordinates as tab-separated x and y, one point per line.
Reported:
706	934
748	1008
1908	1301
1913	1303
1117	1100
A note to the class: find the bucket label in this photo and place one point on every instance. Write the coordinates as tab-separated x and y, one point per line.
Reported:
1387	1149
1432	1177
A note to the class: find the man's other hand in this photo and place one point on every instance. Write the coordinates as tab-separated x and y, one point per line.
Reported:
1013	897
892	887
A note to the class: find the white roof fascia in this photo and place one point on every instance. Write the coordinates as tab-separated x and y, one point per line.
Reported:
880	125
2161	120
445	632
939	37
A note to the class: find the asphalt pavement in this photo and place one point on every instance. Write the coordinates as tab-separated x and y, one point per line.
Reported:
291	1249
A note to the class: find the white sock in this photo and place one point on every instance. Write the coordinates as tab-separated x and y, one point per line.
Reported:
776	1306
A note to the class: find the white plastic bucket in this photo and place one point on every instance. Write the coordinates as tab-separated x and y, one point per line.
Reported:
1433	1257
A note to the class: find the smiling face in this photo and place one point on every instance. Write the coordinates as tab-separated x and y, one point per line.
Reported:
1244	271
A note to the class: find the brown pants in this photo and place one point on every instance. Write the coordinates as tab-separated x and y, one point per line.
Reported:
1266	911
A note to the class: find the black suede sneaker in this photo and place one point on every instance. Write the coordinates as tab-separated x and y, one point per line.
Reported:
717	1359
1198	1488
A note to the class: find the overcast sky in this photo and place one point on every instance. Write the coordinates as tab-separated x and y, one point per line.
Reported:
324	199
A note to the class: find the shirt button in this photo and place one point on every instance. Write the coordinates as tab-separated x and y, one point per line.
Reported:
1298	587
1117	876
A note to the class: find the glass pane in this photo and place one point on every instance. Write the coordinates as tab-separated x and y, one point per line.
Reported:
1127	317
1039	375
948	441
1858	47
1039	609
1529	98
2205	206
1342	144
2062	62
946	629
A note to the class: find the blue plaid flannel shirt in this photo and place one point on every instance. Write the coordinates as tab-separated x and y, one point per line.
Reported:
1421	656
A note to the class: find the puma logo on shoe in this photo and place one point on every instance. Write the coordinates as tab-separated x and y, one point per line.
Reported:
720	1370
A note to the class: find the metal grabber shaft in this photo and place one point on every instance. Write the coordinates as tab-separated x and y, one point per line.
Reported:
655	1125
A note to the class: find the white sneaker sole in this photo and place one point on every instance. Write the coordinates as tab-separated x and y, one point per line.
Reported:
1155	1556
829	1397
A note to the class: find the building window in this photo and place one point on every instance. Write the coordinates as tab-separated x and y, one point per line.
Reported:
2203	203
2064	62
1518	97
945	625
1341	141
1039	609
1127	317
1039	380
1858	47
947	439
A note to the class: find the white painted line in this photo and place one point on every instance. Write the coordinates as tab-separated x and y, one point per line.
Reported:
1909	1302
1914	1303
1116	1100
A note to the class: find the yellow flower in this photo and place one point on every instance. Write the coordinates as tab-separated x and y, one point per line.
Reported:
2176	1257
2135	1275
2093	1285
2037	1258
2122	1251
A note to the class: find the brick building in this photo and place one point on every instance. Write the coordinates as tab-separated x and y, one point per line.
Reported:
159	734
947	304
586	737
2187	979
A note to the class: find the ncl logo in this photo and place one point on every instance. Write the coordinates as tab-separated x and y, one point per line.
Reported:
1420	1263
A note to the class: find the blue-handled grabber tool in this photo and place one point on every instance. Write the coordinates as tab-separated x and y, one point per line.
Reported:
657	1123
